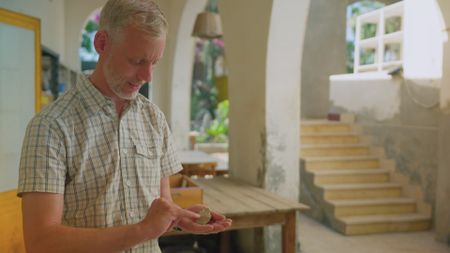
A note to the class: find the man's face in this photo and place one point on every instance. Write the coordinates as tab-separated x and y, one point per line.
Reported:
130	61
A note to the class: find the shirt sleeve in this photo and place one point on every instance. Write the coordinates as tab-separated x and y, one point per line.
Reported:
42	163
169	160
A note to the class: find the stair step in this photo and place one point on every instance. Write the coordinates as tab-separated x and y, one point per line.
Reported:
370	224
357	202
312	122
317	126
351	145
342	162
361	191
384	218
312	150
358	186
330	138
343	208
376	175
353	180
340	158
350	172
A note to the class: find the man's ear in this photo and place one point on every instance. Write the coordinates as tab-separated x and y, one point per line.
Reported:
101	41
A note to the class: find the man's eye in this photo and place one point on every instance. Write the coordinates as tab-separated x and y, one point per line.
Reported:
136	62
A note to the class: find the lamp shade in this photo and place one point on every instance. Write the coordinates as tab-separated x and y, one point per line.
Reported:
207	25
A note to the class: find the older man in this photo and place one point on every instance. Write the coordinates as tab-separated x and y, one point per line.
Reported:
95	164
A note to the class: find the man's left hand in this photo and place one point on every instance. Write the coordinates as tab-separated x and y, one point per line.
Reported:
218	222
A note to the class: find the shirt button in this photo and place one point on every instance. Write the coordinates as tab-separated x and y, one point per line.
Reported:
131	214
128	183
124	151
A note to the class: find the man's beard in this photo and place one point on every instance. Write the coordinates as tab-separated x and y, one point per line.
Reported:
116	82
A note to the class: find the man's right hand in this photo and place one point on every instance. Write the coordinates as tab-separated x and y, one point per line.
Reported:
162	216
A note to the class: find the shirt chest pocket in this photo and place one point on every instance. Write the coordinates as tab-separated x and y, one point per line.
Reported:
148	167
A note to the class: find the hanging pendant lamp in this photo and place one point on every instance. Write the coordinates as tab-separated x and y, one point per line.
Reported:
207	25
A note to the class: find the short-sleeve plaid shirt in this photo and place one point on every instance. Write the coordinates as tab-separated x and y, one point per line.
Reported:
108	169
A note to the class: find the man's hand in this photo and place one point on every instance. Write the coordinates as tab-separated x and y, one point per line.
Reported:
162	216
218	222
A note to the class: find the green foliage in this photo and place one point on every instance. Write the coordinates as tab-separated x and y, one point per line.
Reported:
87	52
349	63
207	116
218	130
212	6
367	56
368	30
91	26
393	24
86	43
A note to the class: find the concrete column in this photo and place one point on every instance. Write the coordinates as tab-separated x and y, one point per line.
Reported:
246	27
442	208
264	41
285	48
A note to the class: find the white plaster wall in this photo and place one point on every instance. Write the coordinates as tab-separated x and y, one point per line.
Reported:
379	97
51	14
17	80
62	21
423	39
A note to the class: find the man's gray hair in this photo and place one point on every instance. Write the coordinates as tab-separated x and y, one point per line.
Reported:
142	14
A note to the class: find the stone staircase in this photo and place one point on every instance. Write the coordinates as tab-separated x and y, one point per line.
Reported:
351	186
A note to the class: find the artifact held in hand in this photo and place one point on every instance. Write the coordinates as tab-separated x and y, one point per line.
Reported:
205	216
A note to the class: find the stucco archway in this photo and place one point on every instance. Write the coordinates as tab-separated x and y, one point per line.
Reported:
180	80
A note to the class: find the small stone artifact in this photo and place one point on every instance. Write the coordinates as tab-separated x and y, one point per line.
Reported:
205	216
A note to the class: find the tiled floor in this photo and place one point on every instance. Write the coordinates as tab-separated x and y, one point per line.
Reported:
316	238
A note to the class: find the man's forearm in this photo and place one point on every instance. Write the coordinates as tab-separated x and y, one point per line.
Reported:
60	238
165	188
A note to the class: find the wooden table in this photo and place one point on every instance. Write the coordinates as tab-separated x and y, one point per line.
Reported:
251	207
199	163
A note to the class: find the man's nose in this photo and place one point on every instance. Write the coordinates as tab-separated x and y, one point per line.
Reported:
145	73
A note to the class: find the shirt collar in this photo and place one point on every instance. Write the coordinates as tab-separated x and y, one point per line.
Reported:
94	100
